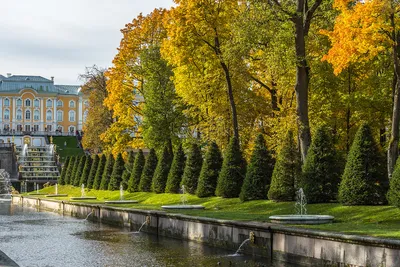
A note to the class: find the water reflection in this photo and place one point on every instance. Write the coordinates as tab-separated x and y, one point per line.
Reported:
33	238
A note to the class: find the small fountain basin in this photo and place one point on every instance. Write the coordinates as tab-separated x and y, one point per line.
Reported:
301	219
82	198
121	201
183	207
57	195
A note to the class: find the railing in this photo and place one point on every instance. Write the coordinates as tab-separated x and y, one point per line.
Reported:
33	133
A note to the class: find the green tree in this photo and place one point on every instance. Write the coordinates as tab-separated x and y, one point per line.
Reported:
99	172
136	173
79	171
209	172
393	194
92	173
130	161
116	175
108	168
287	171
176	172
125	179
74	170
161	173
259	172
86	171
321	170
148	172
233	171
364	181
68	174
192	169
61	179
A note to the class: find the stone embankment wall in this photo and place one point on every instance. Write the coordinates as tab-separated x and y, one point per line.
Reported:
302	246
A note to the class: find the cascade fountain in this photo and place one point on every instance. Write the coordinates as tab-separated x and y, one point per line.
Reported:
184	202
121	198
5	186
83	195
301	217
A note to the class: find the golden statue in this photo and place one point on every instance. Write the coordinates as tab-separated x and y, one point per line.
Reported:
27	140
13	139
51	139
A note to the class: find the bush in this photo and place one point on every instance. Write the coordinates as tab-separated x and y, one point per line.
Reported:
175	174
61	179
161	173
287	172
108	168
209	172
86	170
192	169
99	172
136	172
116	175
393	195
259	172
92	173
79	171
364	181
148	172
233	171
74	169
321	170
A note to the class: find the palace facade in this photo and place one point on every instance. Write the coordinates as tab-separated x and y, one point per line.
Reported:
35	105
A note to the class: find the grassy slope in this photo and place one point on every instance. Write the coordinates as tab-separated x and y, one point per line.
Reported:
70	150
381	221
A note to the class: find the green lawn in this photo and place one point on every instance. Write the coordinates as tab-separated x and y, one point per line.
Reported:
71	149
380	221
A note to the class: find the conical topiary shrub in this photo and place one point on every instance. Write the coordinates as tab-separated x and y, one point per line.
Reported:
393	195
233	171
148	172
92	173
116	175
259	172
61	179
99	172
86	171
74	169
130	161
176	172
68	173
108	168
125	179
287	172
136	172
321	169
161	173
191	173
79	171
364	181
209	172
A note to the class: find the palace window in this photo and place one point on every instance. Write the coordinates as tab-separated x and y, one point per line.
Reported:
6	102
19	114
48	103
19	102
36	103
59	103
36	128
19	128
27	103
27	115
36	115
71	115
27	128
59	115
71	104
49	115
7	114
71	129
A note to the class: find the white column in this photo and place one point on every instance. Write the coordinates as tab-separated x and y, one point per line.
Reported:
80	114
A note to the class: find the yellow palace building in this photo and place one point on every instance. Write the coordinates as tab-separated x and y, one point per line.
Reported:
33	105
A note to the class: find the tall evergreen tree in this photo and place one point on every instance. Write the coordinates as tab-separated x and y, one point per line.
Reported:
125	179
136	172
61	179
116	175
321	170
92	173
176	172
69	170
108	168
393	194
192	169
287	172
233	171
364	181
86	171
99	172
128	169
259	172
209	172
148	172
74	169
161	173
79	170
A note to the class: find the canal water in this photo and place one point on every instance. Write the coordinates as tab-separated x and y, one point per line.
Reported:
32	238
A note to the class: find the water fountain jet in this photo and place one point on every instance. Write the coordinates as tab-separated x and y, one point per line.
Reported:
56	194
183	204
83	195
121	198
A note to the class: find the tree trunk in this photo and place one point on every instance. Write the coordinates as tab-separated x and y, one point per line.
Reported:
231	100
301	88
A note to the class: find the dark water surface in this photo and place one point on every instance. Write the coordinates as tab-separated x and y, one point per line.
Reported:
32	238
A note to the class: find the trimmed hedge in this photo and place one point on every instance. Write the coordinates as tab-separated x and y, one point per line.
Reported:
86	170
161	173
108	168
116	175
192	169
61	179
99	172
148	172
92	173
136	172
209	172
176	172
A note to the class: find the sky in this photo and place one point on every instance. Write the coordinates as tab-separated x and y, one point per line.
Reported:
61	38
